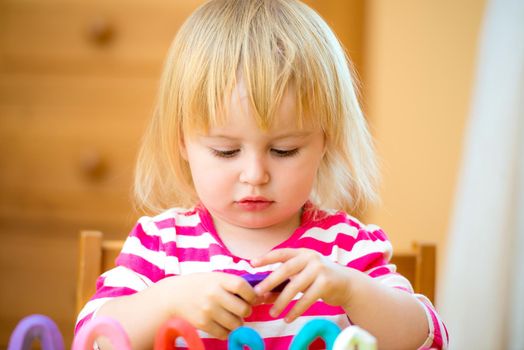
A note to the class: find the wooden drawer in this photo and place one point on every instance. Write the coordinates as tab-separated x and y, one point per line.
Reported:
38	269
110	37
69	146
39	274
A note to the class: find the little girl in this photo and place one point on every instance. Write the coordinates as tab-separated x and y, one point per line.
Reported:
257	127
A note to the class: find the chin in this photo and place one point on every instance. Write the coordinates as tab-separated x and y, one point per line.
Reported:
254	225
258	224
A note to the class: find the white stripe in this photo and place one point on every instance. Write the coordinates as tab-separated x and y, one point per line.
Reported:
172	266
329	235
431	334
180	217
167	234
342	256
158	258
222	262
202	241
445	339
148	226
123	277
149	223
371	228
186	220
279	328
135	247
91	307
363	248
421	298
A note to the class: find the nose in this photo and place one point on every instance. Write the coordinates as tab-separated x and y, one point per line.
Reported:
254	171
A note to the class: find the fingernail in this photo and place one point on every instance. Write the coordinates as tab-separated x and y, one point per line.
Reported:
273	313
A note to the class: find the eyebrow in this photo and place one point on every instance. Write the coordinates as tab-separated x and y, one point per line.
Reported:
298	134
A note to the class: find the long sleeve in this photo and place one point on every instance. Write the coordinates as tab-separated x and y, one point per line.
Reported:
138	266
371	252
366	248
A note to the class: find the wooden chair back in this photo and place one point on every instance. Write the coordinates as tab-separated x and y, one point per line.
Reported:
419	266
97	255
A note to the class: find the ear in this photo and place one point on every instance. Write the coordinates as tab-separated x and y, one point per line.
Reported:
324	149
182	147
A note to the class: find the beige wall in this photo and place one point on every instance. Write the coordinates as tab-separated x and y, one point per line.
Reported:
416	58
419	66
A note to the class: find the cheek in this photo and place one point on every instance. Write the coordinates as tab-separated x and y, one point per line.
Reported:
210	180
299	179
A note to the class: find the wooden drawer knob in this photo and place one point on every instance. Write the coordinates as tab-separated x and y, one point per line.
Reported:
93	165
101	31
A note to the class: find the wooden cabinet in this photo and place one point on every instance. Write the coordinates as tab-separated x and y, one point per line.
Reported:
77	84
97	37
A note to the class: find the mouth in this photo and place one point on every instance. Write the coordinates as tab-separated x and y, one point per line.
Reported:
254	199
254	203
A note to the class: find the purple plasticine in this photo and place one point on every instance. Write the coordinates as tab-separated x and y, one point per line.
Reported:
256	278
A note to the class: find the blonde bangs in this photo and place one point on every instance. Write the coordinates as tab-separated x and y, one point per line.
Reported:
272	45
268	44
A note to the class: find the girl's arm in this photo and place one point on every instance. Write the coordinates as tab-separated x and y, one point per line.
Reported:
395	317
140	314
213	302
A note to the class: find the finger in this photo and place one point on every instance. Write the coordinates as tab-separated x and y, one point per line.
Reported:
216	330
227	320
239	286
283	273
269	298
310	296
234	304
274	256
299	283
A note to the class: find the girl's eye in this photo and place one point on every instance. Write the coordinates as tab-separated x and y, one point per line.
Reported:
224	154
284	153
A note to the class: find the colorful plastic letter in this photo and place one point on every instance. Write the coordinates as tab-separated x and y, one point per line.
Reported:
102	326
174	328
325	329
353	338
33	327
245	336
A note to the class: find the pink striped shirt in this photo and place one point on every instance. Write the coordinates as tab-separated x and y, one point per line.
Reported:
181	241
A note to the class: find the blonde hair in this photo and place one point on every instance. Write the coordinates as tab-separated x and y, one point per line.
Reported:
273	44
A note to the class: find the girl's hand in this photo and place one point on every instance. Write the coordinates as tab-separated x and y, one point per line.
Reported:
213	302
308	272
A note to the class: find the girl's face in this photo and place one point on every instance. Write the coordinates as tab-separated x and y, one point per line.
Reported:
253	179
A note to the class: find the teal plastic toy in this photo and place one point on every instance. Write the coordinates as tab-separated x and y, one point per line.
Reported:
322	328
245	336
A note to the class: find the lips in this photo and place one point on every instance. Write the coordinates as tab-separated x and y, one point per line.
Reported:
254	203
